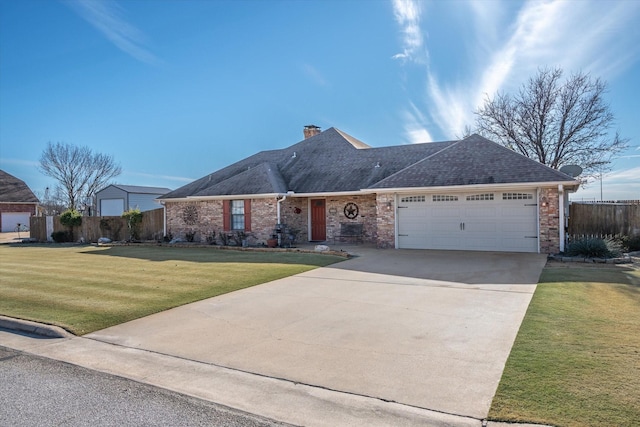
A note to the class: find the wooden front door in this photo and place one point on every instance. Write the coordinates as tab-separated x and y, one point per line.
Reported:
318	220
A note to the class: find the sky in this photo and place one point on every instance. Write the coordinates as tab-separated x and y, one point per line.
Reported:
177	89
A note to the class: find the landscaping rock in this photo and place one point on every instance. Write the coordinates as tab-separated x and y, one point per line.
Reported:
104	240
321	248
177	240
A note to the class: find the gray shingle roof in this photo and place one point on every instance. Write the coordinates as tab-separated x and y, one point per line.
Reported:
334	161
473	160
15	190
142	189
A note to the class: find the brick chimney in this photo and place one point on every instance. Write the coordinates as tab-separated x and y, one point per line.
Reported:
311	130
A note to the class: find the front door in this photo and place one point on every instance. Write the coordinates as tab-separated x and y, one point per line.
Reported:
318	220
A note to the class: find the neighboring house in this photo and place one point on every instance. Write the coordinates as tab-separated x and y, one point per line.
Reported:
471	194
17	202
115	199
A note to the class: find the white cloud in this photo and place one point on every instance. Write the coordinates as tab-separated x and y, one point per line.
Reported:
314	75
407	14
632	174
504	47
107	17
415	128
161	177
19	162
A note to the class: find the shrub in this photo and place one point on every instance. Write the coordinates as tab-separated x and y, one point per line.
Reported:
211	237
71	218
60	236
190	236
630	243
134	219
594	248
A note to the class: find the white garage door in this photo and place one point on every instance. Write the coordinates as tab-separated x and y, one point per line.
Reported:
10	220
111	207
498	221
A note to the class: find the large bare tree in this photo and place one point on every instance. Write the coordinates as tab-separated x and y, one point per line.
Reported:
79	171
556	122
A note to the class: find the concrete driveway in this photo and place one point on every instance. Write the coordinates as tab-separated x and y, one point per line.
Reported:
431	329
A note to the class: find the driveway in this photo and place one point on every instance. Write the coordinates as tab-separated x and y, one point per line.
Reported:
431	329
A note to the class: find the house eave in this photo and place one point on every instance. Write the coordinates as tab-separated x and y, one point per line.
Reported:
220	197
568	185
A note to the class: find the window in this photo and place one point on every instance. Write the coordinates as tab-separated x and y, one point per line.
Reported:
237	214
476	197
411	199
444	198
517	196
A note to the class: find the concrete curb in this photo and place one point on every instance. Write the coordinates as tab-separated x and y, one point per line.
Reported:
34	328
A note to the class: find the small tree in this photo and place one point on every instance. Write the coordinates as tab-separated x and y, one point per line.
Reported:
71	218
79	171
134	219
555	122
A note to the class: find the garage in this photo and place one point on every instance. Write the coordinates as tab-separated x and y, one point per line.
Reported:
111	207
10	220
483	221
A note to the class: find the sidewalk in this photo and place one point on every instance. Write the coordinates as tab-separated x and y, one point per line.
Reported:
277	399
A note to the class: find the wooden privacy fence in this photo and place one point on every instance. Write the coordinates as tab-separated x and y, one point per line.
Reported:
94	227
598	220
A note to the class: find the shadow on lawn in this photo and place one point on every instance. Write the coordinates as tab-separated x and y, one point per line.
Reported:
213	255
591	273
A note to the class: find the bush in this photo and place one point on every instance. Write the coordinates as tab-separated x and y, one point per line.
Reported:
71	218
630	244
594	248
60	236
134	219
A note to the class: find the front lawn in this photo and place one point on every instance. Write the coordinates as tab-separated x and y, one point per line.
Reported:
87	288
576	360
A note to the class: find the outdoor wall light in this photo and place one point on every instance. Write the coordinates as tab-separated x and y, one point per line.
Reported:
544	202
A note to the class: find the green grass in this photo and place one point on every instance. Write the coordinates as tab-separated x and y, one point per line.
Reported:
87	288
576	359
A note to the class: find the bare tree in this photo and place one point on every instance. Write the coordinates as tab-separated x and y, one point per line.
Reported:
555	122
79	171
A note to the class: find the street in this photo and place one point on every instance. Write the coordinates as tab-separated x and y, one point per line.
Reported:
36	391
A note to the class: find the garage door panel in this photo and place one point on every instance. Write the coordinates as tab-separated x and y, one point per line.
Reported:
491	222
10	220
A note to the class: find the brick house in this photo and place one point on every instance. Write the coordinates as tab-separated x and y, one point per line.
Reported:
17	202
466	194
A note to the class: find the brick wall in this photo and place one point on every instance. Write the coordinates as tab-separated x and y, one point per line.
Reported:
294	212
209	218
366	215
386	217
549	221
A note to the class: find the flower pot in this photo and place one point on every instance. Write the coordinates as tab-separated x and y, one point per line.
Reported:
272	243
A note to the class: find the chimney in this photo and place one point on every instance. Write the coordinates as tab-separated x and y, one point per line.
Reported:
311	130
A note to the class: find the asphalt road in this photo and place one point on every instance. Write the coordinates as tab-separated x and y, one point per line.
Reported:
35	391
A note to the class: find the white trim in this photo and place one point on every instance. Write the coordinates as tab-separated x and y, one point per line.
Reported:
396	203
561	216
538	215
225	197
467	188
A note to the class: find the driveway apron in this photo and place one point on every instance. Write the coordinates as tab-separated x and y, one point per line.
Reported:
431	329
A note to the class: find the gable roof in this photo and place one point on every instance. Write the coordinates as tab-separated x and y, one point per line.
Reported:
471	161
333	161
14	190
139	189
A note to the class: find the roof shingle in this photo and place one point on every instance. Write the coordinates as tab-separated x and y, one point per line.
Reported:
334	161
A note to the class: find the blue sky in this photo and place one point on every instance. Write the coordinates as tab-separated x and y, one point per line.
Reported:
174	90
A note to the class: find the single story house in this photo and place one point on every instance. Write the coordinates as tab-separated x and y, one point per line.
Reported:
468	194
17	202
114	199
